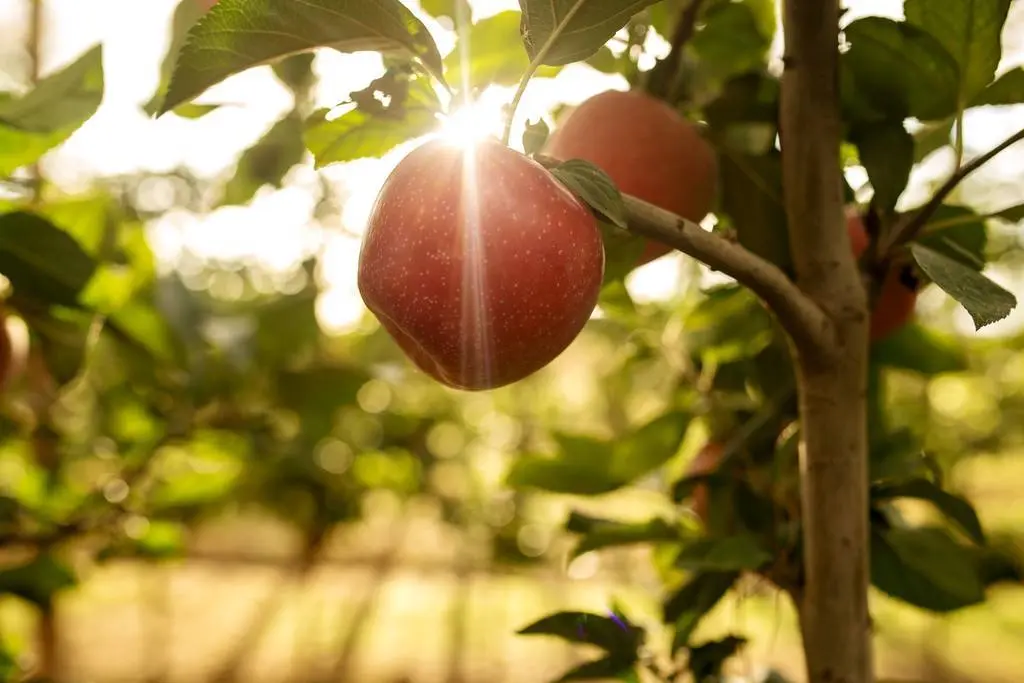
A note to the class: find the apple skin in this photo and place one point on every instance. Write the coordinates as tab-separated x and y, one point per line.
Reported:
706	461
647	148
480	265
896	300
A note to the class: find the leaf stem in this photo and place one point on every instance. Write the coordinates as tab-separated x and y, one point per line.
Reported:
535	64
909	229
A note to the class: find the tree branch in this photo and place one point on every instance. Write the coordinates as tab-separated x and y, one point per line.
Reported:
833	385
909	229
805	322
662	79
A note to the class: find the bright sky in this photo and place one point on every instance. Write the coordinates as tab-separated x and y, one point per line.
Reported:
278	228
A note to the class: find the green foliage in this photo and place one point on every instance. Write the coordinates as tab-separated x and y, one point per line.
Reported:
693	600
986	301
563	31
614	634
925	567
373	128
42	262
266	162
47	115
38	581
235	35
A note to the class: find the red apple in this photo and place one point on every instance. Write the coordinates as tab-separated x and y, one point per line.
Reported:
480	265
897	299
705	462
647	148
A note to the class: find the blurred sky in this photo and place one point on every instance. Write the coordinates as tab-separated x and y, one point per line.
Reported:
277	227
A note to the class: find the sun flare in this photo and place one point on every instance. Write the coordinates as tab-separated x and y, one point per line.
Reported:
472	123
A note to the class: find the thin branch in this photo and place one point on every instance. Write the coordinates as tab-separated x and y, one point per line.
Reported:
661	81
908	230
807	324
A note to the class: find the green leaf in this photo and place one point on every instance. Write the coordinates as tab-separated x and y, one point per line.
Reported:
605	533
925	568
959	233
688	605
38	580
886	150
588	466
915	348
955	507
986	301
1012	214
610	667
572	30
373	129
734	37
63	337
970	31
447	8
1007	89
42	261
47	115
236	35
898	70
932	136
594	187
706	660
267	161
613	634
728	554
489	52
185	16
534	137
752	201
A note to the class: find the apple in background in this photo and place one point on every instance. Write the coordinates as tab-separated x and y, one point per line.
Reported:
897	298
647	148
705	462
479	263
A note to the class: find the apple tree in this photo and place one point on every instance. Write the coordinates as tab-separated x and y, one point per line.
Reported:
484	261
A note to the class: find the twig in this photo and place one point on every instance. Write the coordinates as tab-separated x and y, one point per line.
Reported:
663	76
807	324
909	229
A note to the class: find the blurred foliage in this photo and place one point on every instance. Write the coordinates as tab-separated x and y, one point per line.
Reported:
145	405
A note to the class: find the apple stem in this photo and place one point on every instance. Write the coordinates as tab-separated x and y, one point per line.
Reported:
536	63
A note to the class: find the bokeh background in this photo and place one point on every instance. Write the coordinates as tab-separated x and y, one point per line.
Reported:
439	562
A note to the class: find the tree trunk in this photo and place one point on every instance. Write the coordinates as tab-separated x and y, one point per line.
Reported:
832	380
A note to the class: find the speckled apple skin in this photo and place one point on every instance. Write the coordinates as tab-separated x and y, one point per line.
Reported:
480	290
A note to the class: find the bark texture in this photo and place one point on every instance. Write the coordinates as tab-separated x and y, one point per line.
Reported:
832	380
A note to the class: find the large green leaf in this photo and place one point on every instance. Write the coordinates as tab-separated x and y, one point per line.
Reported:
47	115
1007	89
752	201
572	30
38	580
490	52
894	70
925	568
237	35
986	301
185	16
694	599
605	533
42	261
958	232
267	162
741	552
970	31
589	466
372	129
886	150
919	349
734	37
610	633
953	506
